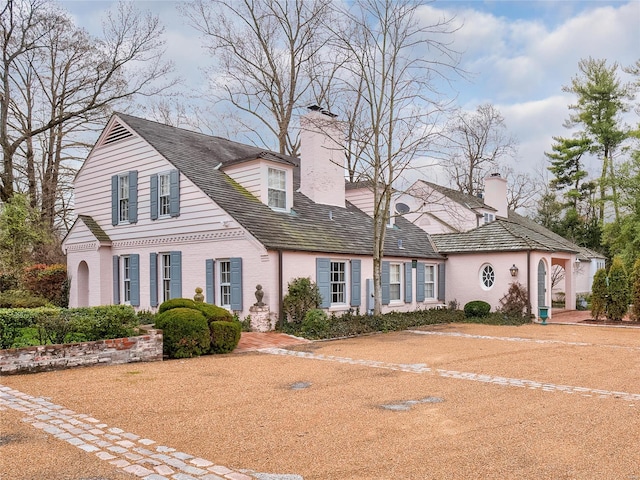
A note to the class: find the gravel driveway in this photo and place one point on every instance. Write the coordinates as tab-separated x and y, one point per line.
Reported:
445	402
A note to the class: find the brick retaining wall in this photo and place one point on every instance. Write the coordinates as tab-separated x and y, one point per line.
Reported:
143	348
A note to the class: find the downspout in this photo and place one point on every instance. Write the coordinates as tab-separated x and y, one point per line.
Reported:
280	304
529	282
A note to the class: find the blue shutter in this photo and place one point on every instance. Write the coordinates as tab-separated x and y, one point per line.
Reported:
154	197
236	283
385	278
174	193
408	283
210	281
153	279
356	283
441	282
114	200
116	279
135	279
420	282
323	280
133	196
176	275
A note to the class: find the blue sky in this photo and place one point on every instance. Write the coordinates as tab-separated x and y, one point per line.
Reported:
520	54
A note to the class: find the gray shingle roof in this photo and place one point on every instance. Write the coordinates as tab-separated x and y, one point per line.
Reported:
517	233
469	201
310	227
95	229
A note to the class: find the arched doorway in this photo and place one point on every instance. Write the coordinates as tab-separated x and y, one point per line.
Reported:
82	282
542	284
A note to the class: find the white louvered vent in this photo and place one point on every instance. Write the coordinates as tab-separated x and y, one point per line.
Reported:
117	133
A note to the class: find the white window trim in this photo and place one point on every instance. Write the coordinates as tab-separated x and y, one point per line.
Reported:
222	284
126	279
339	305
121	179
482	276
434	282
285	189
401	280
165	291
166	174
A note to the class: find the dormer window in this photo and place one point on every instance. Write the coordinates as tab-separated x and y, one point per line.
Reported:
277	189
489	217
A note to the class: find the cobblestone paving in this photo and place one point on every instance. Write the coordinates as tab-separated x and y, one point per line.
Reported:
421	368
141	457
520	339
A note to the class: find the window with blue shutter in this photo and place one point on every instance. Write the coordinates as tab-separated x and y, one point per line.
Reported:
174	195
236	283
356	283
420	282
134	276
408	287
153	279
323	280
114	200
385	281
176	274
116	279
124	198
154	197
441	282
133	196
210	283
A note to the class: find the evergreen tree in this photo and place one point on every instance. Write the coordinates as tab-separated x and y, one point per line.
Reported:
601	99
567	168
599	294
618	301
635	290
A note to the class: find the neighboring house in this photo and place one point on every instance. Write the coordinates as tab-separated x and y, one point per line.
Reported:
489	246
162	211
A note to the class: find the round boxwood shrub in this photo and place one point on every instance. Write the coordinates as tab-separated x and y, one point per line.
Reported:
224	336
214	313
185	332
315	324
176	303
477	308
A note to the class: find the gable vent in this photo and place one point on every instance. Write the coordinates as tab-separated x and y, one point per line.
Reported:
117	133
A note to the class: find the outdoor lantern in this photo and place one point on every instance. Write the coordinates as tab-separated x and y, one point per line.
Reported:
514	270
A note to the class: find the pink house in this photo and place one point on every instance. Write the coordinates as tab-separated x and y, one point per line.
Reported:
489	246
162	211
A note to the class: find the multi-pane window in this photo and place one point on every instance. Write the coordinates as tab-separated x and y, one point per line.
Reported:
166	276
277	189
395	283
123	198
164	191
489	217
126	279
430	281
225	283
487	276
338	282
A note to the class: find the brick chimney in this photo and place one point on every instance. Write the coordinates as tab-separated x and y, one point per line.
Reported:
495	194
322	158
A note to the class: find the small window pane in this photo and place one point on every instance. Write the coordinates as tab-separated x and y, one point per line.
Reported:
488	276
277	189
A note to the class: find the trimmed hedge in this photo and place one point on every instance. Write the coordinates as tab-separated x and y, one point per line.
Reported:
477	308
176	303
185	332
224	336
214	313
59	325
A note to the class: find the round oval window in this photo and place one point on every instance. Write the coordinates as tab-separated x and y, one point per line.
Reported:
487	276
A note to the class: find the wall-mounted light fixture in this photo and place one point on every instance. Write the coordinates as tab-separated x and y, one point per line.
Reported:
514	270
